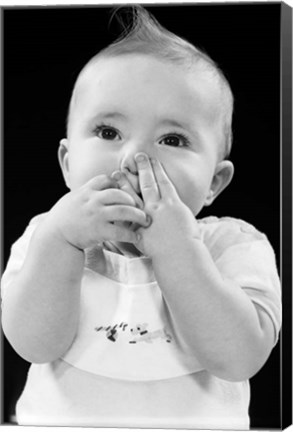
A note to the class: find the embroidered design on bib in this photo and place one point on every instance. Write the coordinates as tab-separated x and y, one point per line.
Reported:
144	335
138	333
112	331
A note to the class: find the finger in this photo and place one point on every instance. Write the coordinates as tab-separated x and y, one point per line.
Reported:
147	180
126	214
101	182
116	196
125	185
165	185
121	234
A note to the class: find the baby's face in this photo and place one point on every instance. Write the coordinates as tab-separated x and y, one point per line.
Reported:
134	103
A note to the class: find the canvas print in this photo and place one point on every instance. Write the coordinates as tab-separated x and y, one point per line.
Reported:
141	284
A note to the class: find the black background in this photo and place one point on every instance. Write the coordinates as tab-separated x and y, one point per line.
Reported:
45	48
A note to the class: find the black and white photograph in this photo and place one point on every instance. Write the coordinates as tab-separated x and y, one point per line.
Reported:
146	216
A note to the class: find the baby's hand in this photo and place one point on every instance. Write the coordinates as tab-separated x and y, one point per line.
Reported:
87	216
172	221
124	184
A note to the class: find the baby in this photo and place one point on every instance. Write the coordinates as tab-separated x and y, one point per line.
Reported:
132	311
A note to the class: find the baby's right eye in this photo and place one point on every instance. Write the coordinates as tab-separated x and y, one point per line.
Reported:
107	133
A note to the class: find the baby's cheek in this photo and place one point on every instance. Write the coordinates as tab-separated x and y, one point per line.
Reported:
180	172
193	197
81	171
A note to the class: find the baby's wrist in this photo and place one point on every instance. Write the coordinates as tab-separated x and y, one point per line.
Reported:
175	245
53	237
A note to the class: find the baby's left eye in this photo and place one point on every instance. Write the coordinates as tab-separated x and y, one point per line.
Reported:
175	140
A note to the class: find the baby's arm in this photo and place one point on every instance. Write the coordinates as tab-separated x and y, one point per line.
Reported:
40	311
230	336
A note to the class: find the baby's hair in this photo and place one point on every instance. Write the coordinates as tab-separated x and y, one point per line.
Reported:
143	34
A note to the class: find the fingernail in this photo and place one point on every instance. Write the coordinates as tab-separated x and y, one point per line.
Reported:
116	175
140	157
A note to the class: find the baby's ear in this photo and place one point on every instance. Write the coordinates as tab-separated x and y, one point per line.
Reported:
222	177
63	160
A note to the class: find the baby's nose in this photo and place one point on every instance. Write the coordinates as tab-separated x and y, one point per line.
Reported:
128	162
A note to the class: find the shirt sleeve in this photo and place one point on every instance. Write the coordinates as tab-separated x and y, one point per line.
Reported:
17	255
245	256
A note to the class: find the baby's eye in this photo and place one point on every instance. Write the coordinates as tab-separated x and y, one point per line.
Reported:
107	133
175	140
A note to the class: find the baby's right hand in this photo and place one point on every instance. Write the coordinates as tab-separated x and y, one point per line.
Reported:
86	216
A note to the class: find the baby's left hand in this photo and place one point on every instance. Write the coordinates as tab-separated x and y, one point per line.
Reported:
172	222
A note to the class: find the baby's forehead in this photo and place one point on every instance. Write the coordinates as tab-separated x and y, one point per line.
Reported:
196	73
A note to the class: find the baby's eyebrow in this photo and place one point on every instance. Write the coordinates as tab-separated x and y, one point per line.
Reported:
108	115
174	123
185	125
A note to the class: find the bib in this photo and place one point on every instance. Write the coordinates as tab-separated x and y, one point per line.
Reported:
125	330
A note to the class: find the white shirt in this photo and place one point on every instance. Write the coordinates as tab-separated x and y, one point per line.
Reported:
128	365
